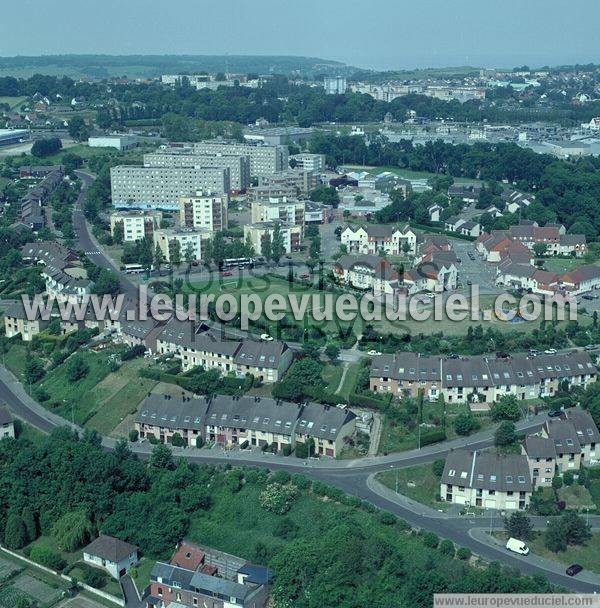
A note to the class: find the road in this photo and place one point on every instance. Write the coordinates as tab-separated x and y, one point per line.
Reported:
355	477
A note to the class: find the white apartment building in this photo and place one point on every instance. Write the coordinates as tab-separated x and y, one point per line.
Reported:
264	160
161	187
309	162
335	85
292	235
168	239
290	211
203	211
136	224
238	165
119	141
373	238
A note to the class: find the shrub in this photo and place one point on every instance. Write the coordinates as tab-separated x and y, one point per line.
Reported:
178	441
46	557
447	548
387	518
463	553
287	449
438	467
282	477
557	482
133	435
134	351
94	578
278	498
430	540
301	482
433	437
200	442
568	478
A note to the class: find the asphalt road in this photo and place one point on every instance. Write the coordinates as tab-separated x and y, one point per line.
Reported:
350	476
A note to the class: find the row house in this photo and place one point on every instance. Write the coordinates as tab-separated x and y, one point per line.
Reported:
515	201
462	226
64	287
480	380
16	322
374	238
195	346
486	480
231	421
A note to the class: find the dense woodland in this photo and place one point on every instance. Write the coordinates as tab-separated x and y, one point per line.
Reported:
341	553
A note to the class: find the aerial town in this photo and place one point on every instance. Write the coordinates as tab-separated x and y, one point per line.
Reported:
280	331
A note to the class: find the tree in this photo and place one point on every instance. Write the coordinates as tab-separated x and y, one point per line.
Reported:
506	408
465	423
159	257
506	434
77	368
189	255
555	538
118	233
332	351
73	530
438	467
577	531
71	161
277	245
540	249
161	457
46	147
78	129
34	370
15	533
518	525
325	194
106	283
265	245
31	524
175	254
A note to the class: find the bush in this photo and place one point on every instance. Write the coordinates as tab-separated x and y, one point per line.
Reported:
463	553
301	482
200	442
368	401
557	482
387	518
433	437
178	441
134	351
282	477
465	423
287	449
430	540
46	557
133	435
438	467
568	478
447	548
94	578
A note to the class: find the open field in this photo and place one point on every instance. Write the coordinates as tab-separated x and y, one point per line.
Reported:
406	173
418	483
561	265
13	102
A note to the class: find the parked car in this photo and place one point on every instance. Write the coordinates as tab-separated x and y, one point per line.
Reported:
226	273
304	275
517	546
266	337
374	353
554	413
574	569
550	351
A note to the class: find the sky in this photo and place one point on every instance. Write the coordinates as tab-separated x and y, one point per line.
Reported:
378	34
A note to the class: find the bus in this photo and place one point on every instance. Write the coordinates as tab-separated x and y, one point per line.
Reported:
134	268
237	263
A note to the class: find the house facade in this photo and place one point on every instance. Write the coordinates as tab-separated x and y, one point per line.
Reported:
111	554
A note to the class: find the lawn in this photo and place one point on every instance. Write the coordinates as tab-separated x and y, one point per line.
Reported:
332	374
141	573
594	491
13	102
80	399
587	555
561	265
16	359
418	483
577	497
350	381
407	173
118	395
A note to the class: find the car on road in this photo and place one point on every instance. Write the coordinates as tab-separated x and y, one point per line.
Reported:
550	351
574	569
554	413
374	353
266	337
588	296
226	273
591	347
288	257
304	275
517	546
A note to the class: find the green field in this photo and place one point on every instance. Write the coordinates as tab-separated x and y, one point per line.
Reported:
406	173
13	102
418	483
561	265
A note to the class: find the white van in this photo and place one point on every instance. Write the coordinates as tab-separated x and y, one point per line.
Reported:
517	546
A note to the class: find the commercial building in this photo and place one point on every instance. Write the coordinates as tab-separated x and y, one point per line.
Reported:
181	240
161	187
264	159
119	141
275	136
335	85
13	136
203	211
238	165
486	480
258	232
480	380
136	224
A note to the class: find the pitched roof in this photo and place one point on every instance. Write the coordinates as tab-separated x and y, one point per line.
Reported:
110	548
564	435
173	411
5	415
585	427
539	447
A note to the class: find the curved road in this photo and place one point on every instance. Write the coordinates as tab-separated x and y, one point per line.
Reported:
355	477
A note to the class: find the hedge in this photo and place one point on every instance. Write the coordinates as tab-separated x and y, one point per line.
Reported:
368	401
433	437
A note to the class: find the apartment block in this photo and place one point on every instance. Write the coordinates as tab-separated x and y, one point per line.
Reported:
264	159
257	233
137	224
203	211
308	162
238	165
302	182
284	209
170	240
161	187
